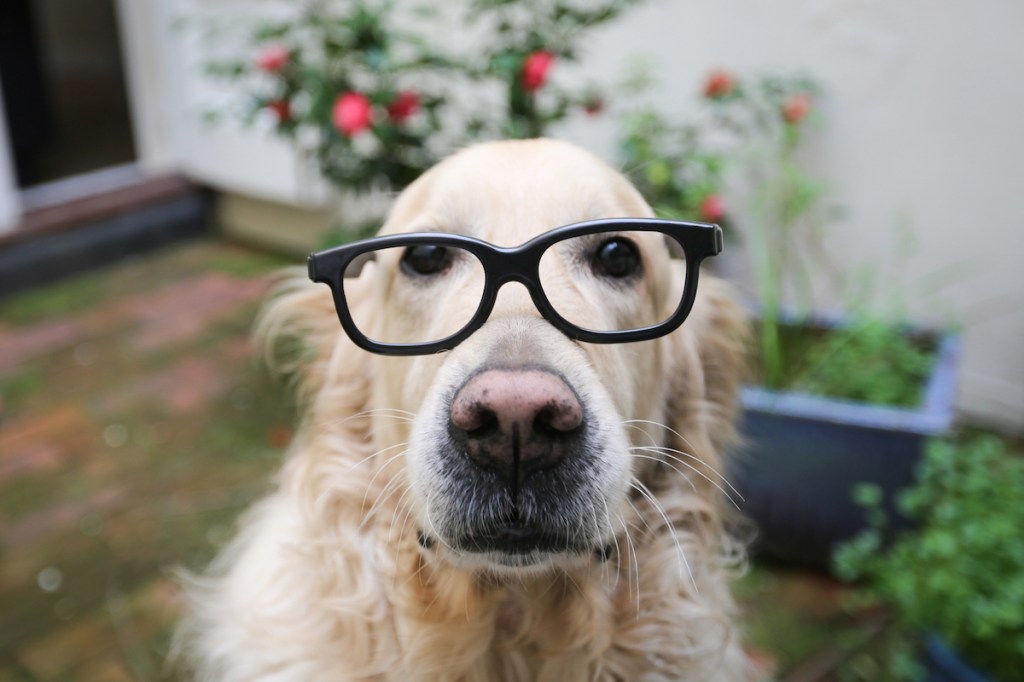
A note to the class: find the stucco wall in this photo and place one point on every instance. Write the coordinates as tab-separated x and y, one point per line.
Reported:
921	128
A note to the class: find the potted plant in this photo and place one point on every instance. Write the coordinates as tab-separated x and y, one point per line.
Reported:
953	586
835	398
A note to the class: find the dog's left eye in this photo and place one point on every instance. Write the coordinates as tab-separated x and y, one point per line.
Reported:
616	257
426	259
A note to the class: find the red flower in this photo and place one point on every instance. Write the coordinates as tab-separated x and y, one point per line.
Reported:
712	209
796	108
404	105
719	84
593	104
535	69
352	113
273	58
282	108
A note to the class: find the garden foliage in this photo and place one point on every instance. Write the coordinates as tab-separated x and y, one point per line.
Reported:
960	572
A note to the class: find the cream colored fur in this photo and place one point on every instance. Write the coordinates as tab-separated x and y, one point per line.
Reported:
326	580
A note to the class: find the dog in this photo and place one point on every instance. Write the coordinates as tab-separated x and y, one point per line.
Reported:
521	505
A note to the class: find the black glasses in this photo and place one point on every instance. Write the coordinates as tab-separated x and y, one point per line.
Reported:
590	280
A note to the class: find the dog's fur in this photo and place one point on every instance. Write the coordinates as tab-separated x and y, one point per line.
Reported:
327	579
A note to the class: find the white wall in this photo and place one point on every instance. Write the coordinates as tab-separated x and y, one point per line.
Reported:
169	96
921	125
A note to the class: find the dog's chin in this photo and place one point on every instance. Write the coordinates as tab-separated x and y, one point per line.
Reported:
512	564
518	549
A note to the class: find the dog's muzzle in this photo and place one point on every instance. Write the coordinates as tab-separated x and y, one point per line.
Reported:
524	431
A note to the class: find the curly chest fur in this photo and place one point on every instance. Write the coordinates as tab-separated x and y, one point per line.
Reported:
604	622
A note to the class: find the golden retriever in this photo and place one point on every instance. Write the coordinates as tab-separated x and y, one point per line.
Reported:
357	566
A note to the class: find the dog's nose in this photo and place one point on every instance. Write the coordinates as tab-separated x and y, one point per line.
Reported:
516	421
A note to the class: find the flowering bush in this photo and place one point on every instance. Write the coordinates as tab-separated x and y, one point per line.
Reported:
682	168
375	104
360	96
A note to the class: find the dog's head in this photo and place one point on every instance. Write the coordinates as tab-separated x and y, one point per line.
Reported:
525	448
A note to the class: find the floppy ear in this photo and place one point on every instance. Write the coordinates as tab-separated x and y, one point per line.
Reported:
705	362
296	331
302	340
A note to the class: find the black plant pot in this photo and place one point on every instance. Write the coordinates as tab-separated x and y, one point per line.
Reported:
803	453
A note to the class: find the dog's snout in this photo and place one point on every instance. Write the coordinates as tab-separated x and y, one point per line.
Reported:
516	420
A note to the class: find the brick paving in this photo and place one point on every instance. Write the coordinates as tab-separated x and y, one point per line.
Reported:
135	427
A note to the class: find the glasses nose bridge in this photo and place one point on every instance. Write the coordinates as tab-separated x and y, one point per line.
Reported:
514	264
508	265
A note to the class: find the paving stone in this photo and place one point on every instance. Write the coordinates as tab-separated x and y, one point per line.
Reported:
32	443
19	345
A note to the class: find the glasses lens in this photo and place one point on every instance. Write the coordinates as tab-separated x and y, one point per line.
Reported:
612	281
419	293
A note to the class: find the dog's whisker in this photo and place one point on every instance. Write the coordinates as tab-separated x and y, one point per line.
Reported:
366	459
397	415
669	526
633	424
681	560
399	508
596	523
685	475
385	412
384	494
665	427
369	485
651	531
673	454
402	508
682	473
685	441
396	482
665	450
575	584
615	539
636	564
440	538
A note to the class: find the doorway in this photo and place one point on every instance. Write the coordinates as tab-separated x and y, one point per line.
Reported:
64	90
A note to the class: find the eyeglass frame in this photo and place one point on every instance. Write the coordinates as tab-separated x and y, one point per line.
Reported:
521	264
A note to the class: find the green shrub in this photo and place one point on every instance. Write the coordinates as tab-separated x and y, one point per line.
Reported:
871	361
960	572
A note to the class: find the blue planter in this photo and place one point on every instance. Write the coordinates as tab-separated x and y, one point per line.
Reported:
802	454
942	664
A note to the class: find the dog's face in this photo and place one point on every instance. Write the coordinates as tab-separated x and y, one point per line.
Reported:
518	457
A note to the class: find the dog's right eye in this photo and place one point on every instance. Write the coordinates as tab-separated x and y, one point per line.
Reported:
426	259
617	258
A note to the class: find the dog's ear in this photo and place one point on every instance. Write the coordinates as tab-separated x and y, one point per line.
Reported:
301	339
705	362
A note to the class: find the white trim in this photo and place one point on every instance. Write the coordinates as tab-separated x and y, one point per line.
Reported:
141	31
82	186
10	202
